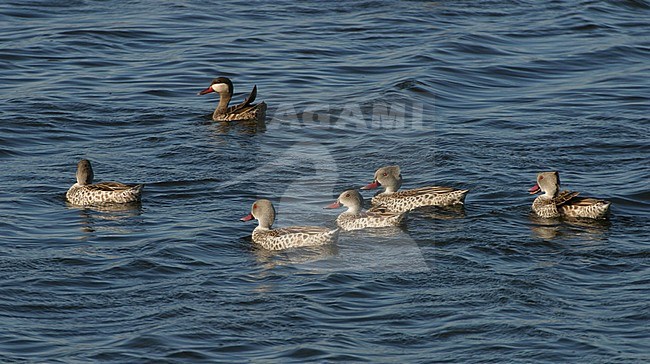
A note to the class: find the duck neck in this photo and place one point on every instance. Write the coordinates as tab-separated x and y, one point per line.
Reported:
354	209
264	224
550	194
224	100
390	189
393	186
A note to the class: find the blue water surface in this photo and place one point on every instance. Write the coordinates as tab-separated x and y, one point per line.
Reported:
469	94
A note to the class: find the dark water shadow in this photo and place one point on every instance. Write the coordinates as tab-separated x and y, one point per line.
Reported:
244	127
561	228
441	212
270	259
91	215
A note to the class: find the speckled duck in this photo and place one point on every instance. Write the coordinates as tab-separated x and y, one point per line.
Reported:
85	193
288	237
554	203
355	218
393	200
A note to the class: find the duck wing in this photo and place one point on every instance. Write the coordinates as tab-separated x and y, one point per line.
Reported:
434	190
110	186
380	213
249	100
564	197
378	208
586	201
310	230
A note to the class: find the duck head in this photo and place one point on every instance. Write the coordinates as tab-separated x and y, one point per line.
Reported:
221	85
263	211
547	182
85	173
389	177
351	199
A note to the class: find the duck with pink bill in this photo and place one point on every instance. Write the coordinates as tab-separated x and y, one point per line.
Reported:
555	203
284	238
246	111
390	178
355	218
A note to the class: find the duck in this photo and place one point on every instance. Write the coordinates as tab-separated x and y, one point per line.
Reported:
284	238
356	219
555	203
85	193
246	111
390	178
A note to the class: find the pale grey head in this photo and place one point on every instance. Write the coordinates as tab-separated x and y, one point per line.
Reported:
85	173
351	199
264	212
547	182
389	177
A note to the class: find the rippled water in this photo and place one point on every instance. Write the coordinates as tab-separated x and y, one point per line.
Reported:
492	92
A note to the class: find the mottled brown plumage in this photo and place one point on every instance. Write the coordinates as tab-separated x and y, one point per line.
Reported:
284	238
554	203
85	193
355	218
401	201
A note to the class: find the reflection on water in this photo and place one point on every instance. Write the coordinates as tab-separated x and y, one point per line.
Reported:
91	215
270	259
241	127
554	228
495	286
388	249
443	212
375	233
113	211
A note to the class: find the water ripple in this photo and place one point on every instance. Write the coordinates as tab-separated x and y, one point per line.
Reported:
505	89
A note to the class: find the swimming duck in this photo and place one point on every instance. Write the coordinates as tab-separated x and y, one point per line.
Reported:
244	111
85	193
355	218
554	203
401	201
284	238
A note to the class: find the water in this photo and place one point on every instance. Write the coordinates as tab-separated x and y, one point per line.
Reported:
506	89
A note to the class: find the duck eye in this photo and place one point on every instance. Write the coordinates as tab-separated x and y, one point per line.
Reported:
385	174
541	177
347	195
254	207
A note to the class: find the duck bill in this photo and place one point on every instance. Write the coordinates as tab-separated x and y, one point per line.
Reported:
206	91
248	217
371	186
533	190
334	205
